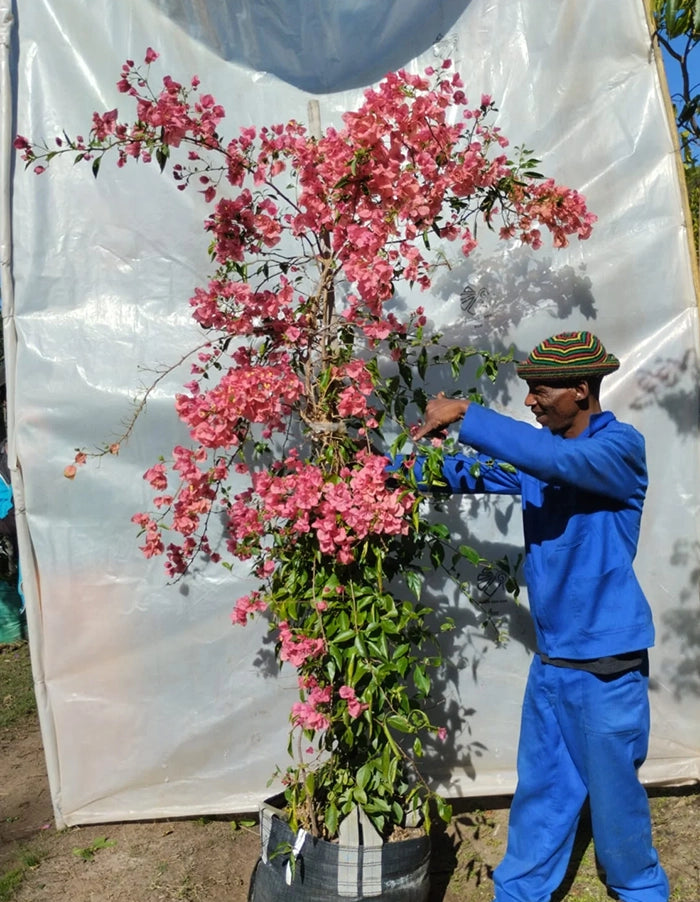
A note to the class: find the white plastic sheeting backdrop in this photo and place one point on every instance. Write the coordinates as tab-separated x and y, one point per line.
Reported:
151	703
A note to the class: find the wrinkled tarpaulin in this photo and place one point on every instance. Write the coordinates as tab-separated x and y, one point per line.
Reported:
151	703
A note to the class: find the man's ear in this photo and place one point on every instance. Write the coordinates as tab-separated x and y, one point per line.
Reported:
582	391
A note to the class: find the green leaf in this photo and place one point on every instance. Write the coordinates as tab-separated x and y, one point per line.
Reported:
401	651
444	809
414	581
360	796
422	680
422	363
437	554
406	373
88	853
344	636
246	822
441	530
331	819
310	783
363	776
360	645
400	723
162	154
427	820
420	399
471	554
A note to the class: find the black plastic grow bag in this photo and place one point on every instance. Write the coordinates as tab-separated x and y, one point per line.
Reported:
330	872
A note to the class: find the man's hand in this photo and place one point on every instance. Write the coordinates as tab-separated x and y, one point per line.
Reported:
440	412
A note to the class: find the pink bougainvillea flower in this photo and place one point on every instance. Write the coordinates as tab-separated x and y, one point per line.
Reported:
355	706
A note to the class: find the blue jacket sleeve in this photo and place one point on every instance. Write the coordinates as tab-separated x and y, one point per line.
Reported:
478	474
468	474
609	461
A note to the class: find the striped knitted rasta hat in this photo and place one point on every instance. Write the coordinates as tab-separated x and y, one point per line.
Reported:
569	355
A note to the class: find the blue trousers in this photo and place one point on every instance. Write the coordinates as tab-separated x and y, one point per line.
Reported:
581	736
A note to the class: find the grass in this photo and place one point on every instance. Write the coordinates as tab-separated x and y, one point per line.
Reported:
11	880
17	701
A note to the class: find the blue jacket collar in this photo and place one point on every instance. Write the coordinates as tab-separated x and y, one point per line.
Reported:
598	421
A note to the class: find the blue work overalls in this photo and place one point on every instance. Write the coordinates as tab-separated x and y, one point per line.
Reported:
583	734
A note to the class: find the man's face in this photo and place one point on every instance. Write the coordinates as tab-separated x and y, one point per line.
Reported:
557	407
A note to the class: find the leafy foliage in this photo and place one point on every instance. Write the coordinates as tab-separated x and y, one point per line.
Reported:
678	33
88	852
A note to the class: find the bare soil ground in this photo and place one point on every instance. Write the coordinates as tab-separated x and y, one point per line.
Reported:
213	859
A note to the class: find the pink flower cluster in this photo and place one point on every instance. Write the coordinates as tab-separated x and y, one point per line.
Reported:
162	121
373	187
314	712
153	544
237	309
355	706
169	115
352	401
340	511
199	481
404	165
219	417
296	647
306	714
246	606
243	225
562	210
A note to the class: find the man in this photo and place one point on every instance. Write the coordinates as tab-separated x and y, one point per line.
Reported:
585	718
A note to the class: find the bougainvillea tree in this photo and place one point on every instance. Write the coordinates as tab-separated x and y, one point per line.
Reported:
309	363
